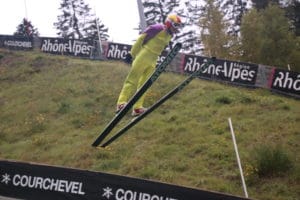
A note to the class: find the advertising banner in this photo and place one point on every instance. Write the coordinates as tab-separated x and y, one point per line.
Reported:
33	181
16	43
224	70
285	81
234	72
116	51
70	47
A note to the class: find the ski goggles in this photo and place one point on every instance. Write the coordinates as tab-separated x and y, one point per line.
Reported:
176	25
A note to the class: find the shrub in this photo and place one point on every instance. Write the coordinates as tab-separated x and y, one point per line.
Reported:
247	100
77	123
271	161
223	100
37	124
64	108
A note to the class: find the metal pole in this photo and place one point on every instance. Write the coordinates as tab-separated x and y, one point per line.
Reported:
143	23
25	5
238	158
98	30
100	44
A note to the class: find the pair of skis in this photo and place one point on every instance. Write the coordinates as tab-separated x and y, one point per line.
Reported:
140	92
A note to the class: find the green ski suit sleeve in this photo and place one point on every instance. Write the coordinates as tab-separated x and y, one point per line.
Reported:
137	46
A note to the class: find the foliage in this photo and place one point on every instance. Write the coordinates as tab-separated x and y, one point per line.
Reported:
251	36
292	11
156	11
92	31
269	40
214	31
278	41
26	29
271	161
263	4
295	56
76	22
234	11
291	7
191	37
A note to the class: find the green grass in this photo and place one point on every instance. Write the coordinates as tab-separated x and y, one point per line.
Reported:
53	107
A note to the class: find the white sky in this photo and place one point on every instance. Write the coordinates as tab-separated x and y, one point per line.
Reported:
119	16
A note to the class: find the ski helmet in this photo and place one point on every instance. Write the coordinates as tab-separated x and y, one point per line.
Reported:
173	21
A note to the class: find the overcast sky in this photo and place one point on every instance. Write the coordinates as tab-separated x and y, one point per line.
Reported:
120	16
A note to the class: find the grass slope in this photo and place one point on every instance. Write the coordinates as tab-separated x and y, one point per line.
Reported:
53	107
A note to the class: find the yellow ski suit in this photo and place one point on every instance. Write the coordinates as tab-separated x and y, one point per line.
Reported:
145	52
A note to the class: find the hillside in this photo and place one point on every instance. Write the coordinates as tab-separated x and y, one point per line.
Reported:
53	107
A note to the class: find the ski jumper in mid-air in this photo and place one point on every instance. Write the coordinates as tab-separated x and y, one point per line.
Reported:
143	56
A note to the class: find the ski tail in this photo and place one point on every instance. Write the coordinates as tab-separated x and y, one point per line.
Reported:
159	102
160	68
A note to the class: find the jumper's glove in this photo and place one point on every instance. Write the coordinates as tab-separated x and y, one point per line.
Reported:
128	58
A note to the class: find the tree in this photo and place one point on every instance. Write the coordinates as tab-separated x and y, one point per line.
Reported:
263	4
294	58
26	29
156	11
234	11
214	31
278	44
191	34
92	31
266	37
251	36
292	9
76	22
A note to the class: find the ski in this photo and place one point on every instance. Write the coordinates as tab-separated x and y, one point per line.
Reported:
159	102
160	68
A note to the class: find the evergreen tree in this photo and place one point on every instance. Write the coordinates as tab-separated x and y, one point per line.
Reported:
251	36
213	31
191	36
26	29
92	30
263	4
292	8
157	11
294	58
279	43
266	37
76	22
234	11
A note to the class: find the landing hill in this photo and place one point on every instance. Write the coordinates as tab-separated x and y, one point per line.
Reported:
53	107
